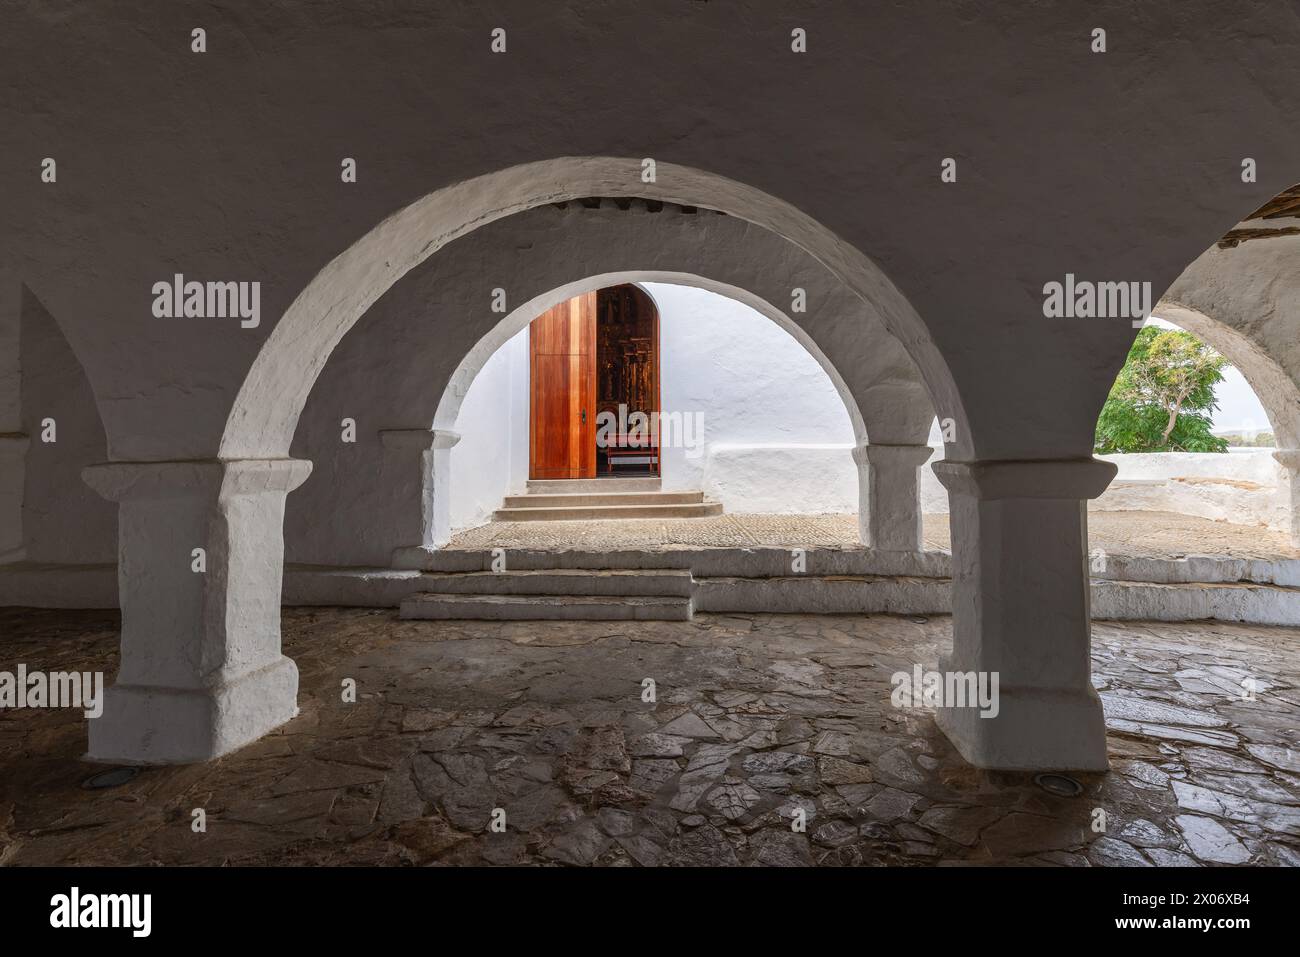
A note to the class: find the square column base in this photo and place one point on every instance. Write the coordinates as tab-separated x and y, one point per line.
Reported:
156	725
1034	730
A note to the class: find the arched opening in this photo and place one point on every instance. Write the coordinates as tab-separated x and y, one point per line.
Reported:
264	414
554	253
754	419
473	362
1182	425
1206	498
594	389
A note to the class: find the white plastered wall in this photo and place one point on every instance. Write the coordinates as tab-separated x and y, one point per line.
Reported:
776	437
491	459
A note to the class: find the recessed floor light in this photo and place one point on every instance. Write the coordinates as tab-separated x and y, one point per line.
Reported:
112	778
1059	784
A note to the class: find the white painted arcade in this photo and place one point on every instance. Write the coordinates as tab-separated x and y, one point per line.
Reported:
231	683
208	428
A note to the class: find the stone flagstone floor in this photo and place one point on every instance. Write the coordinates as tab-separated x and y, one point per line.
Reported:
755	717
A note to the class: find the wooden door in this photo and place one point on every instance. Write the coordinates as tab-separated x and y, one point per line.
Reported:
562	430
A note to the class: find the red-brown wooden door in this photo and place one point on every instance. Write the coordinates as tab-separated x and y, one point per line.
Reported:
562	431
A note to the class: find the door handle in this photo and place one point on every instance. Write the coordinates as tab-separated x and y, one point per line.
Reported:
584	416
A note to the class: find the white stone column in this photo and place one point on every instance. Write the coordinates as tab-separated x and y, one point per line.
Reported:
13	475
416	479
889	507
1021	609
1289	459
201	672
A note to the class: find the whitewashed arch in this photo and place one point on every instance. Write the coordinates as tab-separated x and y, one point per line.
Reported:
1276	389
265	412
518	319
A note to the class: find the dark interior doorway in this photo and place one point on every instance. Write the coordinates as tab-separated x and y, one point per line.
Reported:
627	382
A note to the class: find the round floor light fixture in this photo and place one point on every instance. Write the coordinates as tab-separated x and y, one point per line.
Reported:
1059	784
112	778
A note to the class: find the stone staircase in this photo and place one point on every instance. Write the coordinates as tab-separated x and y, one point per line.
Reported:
588	500
570	594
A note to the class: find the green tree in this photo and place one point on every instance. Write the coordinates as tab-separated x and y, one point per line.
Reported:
1164	396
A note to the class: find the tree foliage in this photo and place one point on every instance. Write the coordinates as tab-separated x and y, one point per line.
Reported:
1163	399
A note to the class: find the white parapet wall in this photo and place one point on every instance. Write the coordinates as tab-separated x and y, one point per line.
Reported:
1241	486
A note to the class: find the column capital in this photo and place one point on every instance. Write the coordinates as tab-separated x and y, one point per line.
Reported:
423	439
990	480
884	456
129	481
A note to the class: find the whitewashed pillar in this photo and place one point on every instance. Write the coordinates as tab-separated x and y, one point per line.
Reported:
201	672
889	506
1021	610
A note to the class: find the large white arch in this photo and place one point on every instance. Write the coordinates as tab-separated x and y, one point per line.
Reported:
888	509
265	412
429	336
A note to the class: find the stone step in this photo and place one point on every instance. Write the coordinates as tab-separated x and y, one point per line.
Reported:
593	485
1224	601
599	512
431	605
581	499
627	582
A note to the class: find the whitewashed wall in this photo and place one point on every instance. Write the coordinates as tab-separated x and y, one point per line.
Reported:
1242	486
491	459
776	436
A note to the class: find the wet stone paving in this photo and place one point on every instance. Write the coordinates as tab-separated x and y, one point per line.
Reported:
754	719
